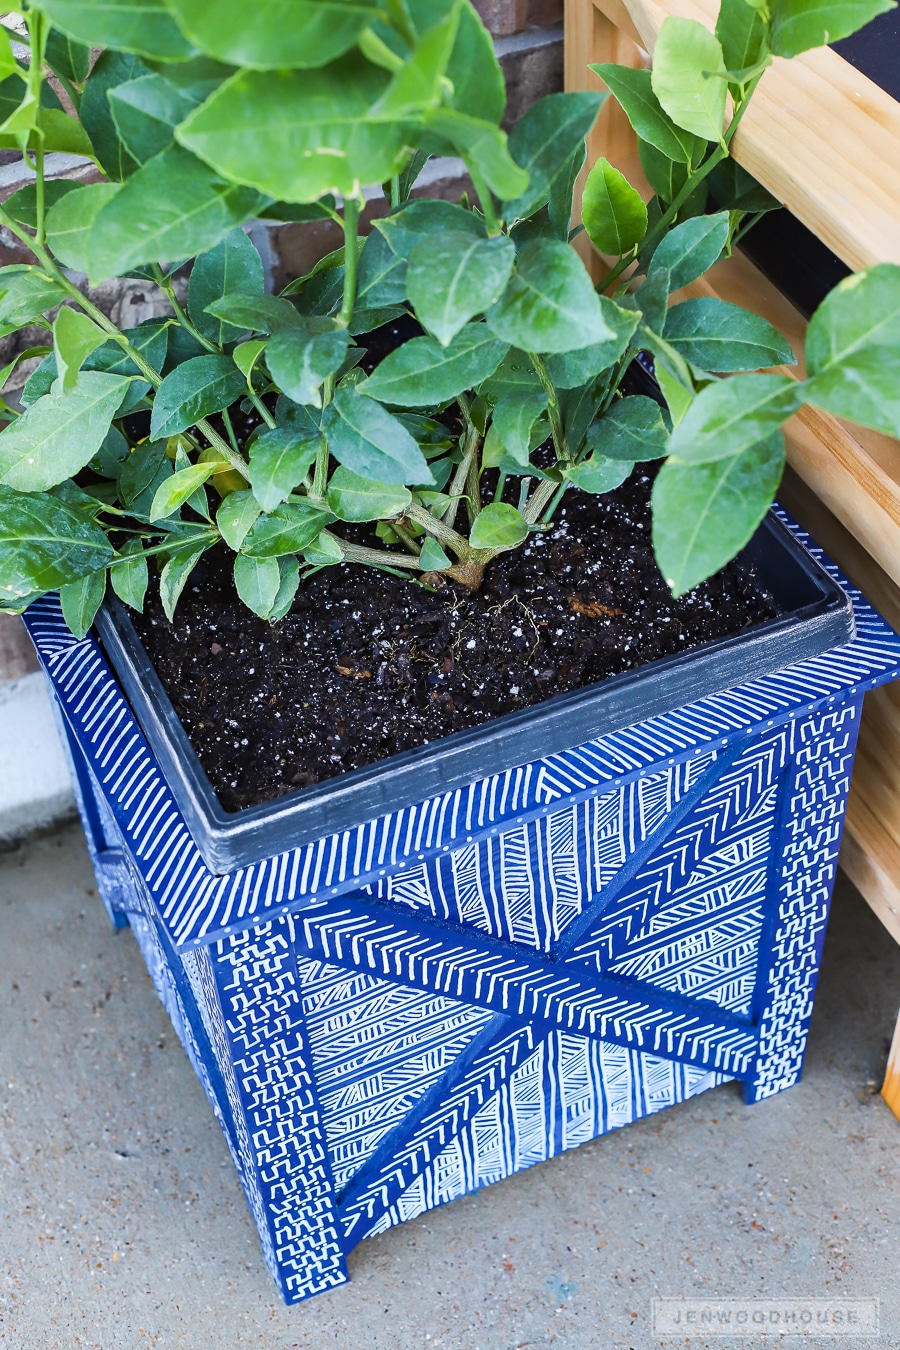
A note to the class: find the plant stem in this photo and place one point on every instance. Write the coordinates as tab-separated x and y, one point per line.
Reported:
543	494
226	418
107	326
376	557
501	484
694	179
439	530
561	490
457	487
557	430
406	537
165	285
485	200
351	254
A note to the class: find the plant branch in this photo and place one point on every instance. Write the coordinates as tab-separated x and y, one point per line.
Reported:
351	255
557	430
543	494
376	557
471	445
439	530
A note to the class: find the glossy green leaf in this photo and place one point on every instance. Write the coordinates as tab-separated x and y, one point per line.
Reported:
634	91
544	138
256	581
597	474
678	398
324	551
246	354
365	438
22	205
278	34
631	431
666	176
717	336
80	601
142	26
288	584
67	57
422	372
549	304
299	134
418	83
652	299
177	488
301	359
279	461
452	277
742	34
141	474
734	189
174	575
691	248
146	112
60	433
25	296
432	557
562	194
172	207
578	367
353	498
75	336
232	265
237	514
112	454
421	220
150	338
111	69
287	529
8	63
688	77
130	578
851	350
483	146
730	416
198	387
513	420
71	219
798	26
473	71
381	277
44	543
703	514
612	211
498	525
515	375
258	313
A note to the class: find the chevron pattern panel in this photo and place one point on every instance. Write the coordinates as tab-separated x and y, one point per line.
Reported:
394	1016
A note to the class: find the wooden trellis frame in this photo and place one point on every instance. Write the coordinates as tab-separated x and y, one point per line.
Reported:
826	141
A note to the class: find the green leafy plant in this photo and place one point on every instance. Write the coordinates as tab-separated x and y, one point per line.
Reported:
462	440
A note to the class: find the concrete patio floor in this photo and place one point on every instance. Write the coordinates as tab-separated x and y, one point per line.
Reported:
123	1226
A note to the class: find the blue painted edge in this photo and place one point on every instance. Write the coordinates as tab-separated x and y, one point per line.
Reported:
197	907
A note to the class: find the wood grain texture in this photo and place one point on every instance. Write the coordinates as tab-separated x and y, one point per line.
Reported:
819	135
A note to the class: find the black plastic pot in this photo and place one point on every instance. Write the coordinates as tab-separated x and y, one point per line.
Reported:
815	616
791	256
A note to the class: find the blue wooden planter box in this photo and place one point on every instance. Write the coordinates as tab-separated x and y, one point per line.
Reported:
400	1013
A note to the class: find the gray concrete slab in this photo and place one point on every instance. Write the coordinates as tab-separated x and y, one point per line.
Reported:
122	1224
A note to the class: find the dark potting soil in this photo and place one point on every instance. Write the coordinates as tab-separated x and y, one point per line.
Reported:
366	665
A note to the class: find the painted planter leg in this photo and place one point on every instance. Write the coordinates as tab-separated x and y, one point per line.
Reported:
253	1002
814	800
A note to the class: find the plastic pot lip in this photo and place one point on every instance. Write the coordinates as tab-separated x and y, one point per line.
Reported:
817	616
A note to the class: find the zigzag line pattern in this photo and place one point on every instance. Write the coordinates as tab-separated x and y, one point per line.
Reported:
595	1088
528	884
197	906
377	1047
519	985
690	921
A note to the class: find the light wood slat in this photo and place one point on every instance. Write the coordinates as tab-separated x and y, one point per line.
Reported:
818	134
891	1088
